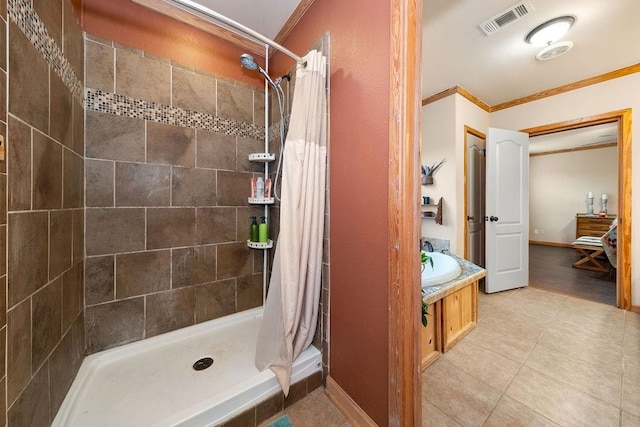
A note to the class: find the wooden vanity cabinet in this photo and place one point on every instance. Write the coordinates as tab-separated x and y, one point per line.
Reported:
430	335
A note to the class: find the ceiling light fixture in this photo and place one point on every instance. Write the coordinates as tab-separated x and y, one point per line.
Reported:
550	31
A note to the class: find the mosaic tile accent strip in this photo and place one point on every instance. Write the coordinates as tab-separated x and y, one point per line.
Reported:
120	105
22	14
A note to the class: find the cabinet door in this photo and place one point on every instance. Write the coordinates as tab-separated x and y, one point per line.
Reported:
430	336
459	314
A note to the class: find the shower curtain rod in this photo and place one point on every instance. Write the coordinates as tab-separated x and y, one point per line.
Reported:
191	7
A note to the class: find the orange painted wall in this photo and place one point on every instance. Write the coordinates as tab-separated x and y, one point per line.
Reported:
140	27
359	159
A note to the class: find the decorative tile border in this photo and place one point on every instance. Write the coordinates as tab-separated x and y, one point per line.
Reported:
120	105
21	12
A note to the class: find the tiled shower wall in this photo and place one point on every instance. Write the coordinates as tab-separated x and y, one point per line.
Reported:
167	181
44	170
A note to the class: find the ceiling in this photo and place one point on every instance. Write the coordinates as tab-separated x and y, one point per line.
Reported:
591	136
502	67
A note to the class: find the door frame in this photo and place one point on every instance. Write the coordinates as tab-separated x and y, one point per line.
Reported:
623	119
477	133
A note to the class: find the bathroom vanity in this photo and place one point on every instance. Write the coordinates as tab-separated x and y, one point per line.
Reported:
453	311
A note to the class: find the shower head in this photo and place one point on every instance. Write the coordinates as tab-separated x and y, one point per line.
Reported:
248	62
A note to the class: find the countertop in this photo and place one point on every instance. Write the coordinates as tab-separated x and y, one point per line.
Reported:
470	273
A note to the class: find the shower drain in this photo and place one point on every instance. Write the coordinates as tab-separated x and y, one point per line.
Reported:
203	363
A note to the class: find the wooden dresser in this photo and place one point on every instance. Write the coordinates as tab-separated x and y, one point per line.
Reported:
592	225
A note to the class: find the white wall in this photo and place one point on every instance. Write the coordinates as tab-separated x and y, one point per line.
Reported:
558	187
443	124
608	96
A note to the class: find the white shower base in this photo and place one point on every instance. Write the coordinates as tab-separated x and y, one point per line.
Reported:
152	382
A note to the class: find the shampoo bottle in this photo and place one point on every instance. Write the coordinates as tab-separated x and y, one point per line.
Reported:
253	229
260	188
263	232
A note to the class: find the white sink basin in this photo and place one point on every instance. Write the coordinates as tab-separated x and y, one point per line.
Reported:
445	268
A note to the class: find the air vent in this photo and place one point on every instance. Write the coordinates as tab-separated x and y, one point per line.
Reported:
506	17
554	50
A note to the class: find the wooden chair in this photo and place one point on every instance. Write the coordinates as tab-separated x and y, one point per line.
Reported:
591	251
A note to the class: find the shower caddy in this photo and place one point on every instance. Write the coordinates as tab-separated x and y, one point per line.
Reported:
265	158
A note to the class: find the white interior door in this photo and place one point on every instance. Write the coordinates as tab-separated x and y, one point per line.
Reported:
507	210
475	199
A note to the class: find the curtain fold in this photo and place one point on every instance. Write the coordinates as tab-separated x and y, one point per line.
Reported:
291	307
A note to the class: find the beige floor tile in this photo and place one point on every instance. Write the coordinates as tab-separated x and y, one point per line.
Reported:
510	413
483	364
599	331
632	321
486	306
513	343
632	367
559	402
631	394
540	304
434	417
632	343
584	348
629	420
459	395
593	380
308	411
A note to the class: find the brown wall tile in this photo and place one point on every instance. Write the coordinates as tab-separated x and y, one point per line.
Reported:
216	150
170	145
60	242
99	183
28	255
29	81
3	41
143	78
72	295
140	184
249	293
193	187
61	373
46	316
247	146
258	107
99	73
3	250
171	227
18	349
114	230
78	127
142	273
114	137
3	198
171	310
216	225
234	260
233	188
235	102
32	408
215	300
99	280
3	306
47	173
3	354
113	324
3	125
193	266
193	91
73	180
3	78
60	105
50	12
19	140
73	45
78	235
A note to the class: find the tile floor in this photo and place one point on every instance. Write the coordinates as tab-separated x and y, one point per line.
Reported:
535	359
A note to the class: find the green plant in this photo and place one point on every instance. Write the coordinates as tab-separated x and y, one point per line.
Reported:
425	259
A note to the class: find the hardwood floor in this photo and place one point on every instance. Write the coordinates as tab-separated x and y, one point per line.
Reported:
550	269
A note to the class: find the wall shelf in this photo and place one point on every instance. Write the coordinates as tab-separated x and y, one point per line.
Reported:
437	214
261	200
262	157
260	245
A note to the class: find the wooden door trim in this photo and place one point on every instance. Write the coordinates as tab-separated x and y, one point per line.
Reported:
623	118
404	385
472	131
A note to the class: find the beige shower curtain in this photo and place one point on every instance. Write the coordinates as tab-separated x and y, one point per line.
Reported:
291	308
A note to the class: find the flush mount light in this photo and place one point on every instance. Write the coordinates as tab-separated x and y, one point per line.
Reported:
550	31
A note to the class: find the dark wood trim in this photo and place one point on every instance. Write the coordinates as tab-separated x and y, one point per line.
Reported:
632	69
623	119
571	150
543	243
349	408
405	387
472	131
569	87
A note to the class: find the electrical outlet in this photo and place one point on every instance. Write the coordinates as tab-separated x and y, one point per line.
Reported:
535	231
